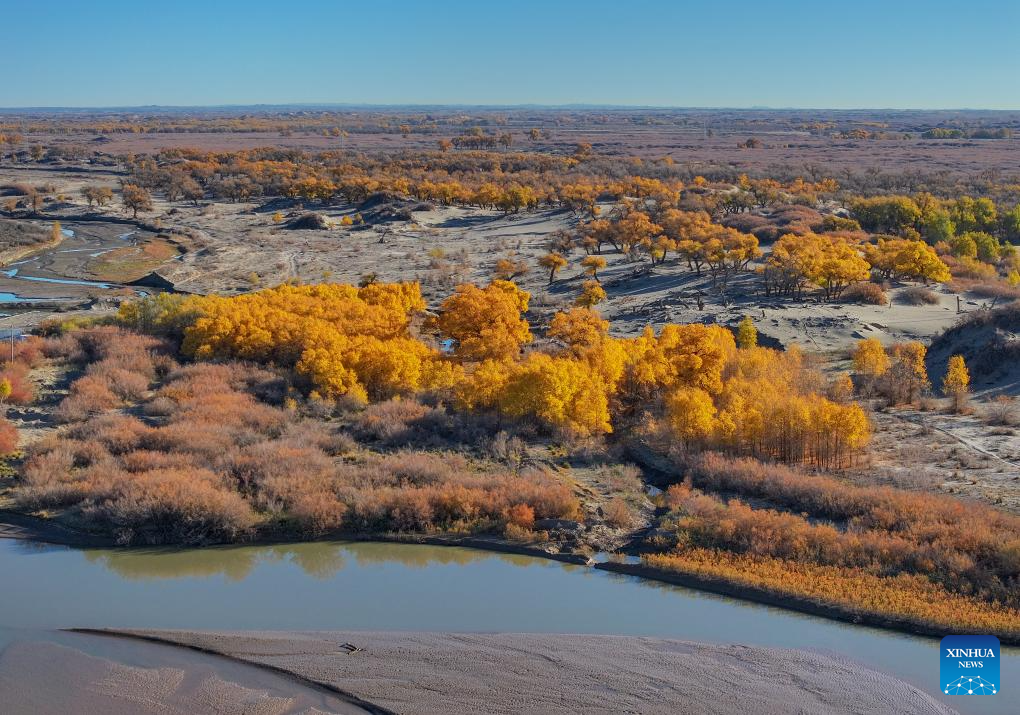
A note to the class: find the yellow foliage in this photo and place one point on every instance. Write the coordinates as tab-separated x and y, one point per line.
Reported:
635	229
483	386
592	265
828	262
700	242
358	342
343	340
767	405
853	590
579	328
162	313
904	258
562	392
507	269
591	294
911	356
554	262
485	323
681	356
691	414
747	334
870	358
765	416
955	383
841	389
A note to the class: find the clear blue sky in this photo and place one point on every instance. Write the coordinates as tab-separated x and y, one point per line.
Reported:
736	53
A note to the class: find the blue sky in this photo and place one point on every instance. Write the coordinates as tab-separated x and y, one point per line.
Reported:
740	53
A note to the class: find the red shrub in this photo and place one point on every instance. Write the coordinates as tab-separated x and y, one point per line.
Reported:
144	460
275	474
46	480
170	506
318	512
866	293
30	350
213	455
521	515
126	384
618	514
208	443
969	548
118	433
22	389
88	396
420	468
8	436
389	421
60	346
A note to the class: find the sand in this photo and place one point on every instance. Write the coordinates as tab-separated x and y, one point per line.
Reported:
452	674
58	674
943	452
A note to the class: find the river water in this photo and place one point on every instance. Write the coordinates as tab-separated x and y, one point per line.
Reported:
48	275
377	586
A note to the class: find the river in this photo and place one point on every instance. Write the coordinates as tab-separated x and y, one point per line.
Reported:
55	274
380	586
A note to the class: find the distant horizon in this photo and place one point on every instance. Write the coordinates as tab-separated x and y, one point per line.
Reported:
495	106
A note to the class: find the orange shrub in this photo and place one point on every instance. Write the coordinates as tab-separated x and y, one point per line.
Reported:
22	389
30	351
521	515
170	506
8	436
618	514
88	396
251	465
117	433
967	548
853	591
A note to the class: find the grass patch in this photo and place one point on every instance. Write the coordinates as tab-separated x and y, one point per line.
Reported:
123	265
903	596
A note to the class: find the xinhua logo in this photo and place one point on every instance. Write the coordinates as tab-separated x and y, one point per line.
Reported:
969	665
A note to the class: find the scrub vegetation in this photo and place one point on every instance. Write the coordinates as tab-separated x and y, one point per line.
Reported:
478	330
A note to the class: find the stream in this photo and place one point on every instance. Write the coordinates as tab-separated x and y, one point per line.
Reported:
56	267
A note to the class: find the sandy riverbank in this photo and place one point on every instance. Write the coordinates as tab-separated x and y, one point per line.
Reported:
55	673
530	673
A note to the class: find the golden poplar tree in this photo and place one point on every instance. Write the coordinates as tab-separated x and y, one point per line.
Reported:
747	334
554	263
591	295
956	383
485	323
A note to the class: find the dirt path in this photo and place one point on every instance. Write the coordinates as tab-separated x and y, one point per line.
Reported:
919	421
